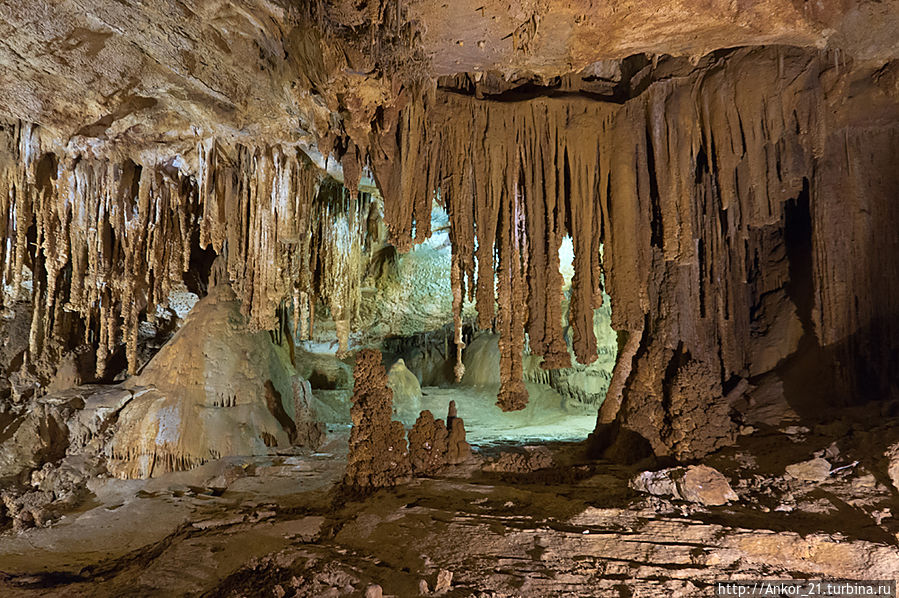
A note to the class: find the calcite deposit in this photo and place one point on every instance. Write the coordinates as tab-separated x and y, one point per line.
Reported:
216	389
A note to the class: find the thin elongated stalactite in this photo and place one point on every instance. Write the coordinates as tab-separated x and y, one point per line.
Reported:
108	240
514	181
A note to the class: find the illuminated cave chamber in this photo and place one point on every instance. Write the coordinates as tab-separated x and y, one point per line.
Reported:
447	296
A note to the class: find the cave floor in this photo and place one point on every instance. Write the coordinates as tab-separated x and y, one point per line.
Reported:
547	418
516	520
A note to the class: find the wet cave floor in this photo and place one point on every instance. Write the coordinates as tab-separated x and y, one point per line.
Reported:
520	518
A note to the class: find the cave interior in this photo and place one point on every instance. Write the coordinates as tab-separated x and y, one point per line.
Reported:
473	298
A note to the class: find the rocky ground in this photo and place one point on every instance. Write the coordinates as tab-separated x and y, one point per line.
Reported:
797	500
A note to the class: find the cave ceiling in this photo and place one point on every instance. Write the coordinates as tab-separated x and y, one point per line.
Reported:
148	74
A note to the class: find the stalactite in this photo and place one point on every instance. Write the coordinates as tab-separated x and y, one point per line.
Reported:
515	178
113	238
340	238
677	183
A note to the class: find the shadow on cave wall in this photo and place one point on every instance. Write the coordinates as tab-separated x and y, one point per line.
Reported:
841	374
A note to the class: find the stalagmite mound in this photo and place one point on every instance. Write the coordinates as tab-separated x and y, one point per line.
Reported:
434	444
427	444
310	431
481	360
457	449
378	452
406	390
215	389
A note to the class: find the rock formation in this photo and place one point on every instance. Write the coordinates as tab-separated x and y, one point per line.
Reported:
427	444
457	449
434	444
665	180
405	388
378	453
216	389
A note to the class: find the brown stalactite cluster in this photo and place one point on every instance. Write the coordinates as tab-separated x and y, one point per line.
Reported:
107	240
503	177
685	184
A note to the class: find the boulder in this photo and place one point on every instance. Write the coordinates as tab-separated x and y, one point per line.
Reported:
38	436
814	470
697	483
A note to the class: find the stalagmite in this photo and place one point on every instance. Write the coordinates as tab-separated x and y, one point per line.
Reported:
218	388
427	444
379	455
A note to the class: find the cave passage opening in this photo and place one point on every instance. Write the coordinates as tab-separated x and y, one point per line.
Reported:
405	312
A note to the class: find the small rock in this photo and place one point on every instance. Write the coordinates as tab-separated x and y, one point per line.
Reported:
795	430
374	591
879	516
444	581
697	483
657	483
705	485
814	470
423	588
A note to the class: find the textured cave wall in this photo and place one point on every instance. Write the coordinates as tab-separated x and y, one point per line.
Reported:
688	184
855	222
771	152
